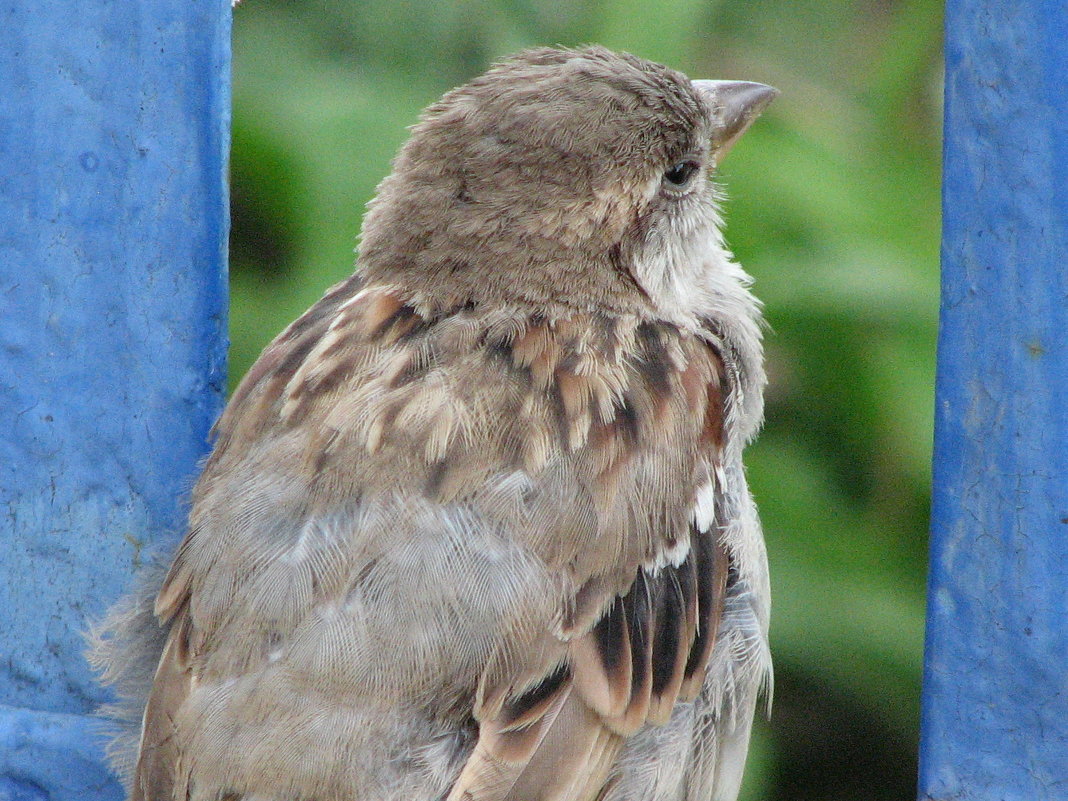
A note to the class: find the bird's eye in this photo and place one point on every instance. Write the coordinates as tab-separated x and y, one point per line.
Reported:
680	175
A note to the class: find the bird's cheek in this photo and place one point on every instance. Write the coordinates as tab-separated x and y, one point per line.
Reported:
603	215
649	191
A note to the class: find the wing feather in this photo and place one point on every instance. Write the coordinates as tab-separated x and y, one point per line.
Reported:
160	753
710	562
603	660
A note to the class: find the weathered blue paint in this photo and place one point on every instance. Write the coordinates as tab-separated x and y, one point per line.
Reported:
114	130
995	705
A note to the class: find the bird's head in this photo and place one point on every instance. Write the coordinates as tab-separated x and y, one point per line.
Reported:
563	179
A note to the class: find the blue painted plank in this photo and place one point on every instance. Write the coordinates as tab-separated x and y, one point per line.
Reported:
114	131
50	755
995	703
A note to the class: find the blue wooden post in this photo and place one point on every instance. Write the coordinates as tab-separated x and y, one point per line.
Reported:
114	133
995	703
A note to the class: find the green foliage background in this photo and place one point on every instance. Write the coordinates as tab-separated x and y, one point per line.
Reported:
833	208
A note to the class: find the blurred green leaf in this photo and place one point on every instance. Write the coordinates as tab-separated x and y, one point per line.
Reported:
663	31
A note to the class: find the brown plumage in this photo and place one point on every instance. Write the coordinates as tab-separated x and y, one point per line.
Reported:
475	526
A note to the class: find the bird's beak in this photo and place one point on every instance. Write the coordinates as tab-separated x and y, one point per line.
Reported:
735	104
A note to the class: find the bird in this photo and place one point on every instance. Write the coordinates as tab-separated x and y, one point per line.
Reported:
476	527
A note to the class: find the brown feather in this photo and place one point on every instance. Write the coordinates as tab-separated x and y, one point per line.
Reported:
379	310
639	610
602	659
160	756
670	648
572	760
711	562
507	742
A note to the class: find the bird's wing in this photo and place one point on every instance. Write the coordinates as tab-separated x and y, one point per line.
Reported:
557	738
572	448
648	577
159	755
159	770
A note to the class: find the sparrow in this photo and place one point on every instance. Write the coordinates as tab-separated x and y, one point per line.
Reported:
476	526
